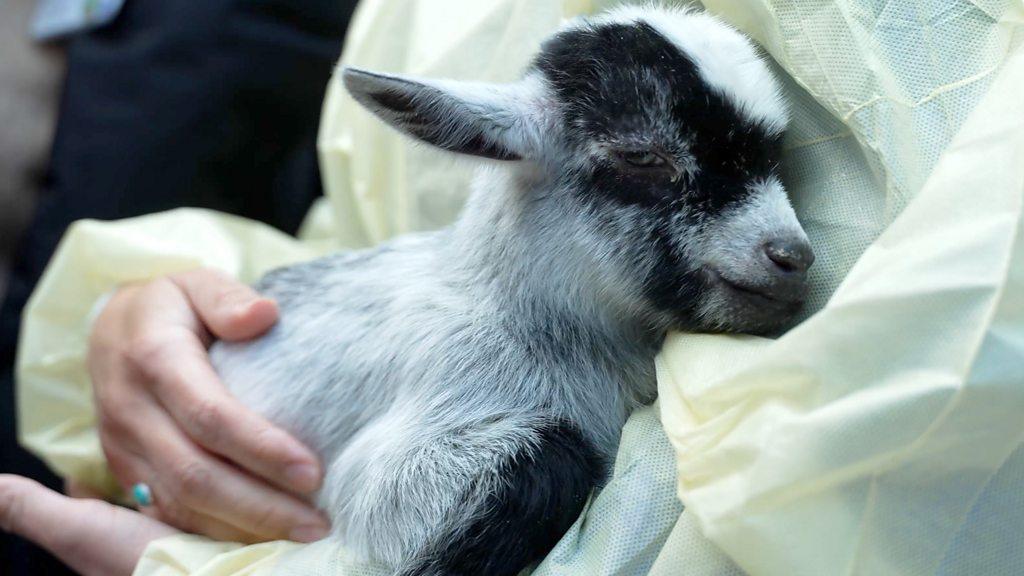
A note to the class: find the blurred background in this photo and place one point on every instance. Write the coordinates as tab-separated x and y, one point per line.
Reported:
30	76
116	108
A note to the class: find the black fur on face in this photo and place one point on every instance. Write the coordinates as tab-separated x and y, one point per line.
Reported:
657	137
644	145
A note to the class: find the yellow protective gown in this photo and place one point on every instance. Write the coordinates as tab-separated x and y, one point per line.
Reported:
881	436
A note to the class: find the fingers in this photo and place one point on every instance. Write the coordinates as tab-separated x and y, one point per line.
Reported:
195	489
91	536
189	388
166	419
229	308
76	489
227	501
132	469
195	523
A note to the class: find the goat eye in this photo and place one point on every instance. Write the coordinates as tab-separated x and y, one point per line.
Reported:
644	159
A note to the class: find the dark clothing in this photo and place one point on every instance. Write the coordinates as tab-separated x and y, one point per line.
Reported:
211	104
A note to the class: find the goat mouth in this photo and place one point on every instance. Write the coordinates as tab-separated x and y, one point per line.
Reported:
756	294
752	292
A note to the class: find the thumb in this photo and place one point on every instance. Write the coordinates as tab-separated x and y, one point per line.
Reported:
91	536
230	309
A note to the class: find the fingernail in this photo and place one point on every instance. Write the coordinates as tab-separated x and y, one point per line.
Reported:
260	302
304	476
245	308
309	533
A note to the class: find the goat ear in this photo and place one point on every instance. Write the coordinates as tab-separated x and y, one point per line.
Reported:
486	120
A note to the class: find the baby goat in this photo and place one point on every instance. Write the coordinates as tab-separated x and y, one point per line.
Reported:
466	387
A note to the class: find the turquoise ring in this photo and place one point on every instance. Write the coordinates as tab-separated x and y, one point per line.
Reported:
142	494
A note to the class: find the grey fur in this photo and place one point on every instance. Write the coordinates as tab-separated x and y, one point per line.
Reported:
417	368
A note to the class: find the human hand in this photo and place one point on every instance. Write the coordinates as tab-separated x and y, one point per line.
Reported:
93	537
214	466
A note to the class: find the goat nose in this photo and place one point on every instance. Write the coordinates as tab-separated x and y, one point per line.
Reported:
790	254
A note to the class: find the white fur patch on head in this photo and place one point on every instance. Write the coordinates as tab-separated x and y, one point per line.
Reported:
725	59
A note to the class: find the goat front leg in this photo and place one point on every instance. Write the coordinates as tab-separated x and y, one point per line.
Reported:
486	497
